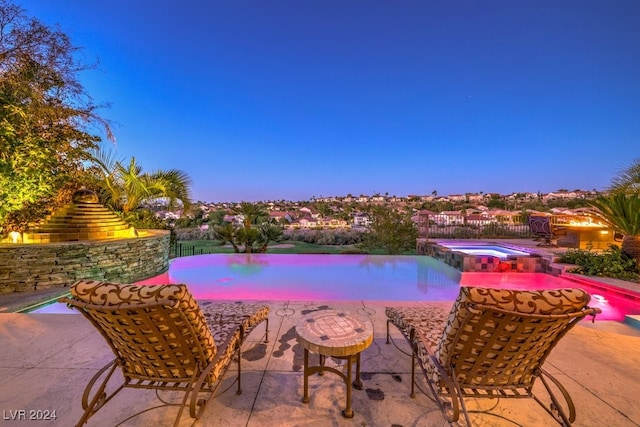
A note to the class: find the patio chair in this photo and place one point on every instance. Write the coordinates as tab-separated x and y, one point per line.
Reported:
542	228
492	345
163	341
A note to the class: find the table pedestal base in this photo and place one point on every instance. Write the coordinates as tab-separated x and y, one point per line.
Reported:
321	368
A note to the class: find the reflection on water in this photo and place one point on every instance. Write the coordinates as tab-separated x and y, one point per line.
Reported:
247	264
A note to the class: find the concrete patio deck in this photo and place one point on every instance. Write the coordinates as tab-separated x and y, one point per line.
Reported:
47	359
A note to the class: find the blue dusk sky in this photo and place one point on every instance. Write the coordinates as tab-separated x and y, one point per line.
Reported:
270	99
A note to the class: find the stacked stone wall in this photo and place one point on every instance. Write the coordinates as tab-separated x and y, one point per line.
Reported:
28	267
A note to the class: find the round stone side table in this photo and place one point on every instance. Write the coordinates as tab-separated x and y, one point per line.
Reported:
335	334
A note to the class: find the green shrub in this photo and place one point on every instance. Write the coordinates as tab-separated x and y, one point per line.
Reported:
338	237
353	252
142	219
463	232
611	262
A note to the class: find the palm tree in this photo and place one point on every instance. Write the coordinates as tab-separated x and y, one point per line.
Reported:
269	233
249	238
226	233
125	187
628	180
253	213
622	213
255	233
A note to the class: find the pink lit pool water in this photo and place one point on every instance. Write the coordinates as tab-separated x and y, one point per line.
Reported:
313	277
358	277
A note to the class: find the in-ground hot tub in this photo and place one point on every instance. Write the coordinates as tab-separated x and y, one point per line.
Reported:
484	256
502	252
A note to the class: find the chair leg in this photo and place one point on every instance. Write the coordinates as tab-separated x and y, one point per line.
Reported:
100	398
239	390
191	390
388	321
450	409
458	392
555	409
413	375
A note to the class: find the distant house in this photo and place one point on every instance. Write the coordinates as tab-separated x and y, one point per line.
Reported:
475	197
449	218
480	219
361	220
168	215
234	219
562	195
308	212
329	222
303	222
280	216
308	222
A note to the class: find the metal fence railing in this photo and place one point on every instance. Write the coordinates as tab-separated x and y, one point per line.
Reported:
177	250
472	226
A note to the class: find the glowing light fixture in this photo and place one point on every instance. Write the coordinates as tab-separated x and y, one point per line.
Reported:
15	236
586	222
599	298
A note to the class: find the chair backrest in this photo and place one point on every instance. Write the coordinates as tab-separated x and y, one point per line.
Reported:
158	332
498	338
540	225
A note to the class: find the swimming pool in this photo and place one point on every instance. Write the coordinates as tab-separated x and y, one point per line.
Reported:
499	251
354	277
314	277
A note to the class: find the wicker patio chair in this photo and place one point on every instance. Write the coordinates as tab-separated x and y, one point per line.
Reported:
163	341
493	345
542	228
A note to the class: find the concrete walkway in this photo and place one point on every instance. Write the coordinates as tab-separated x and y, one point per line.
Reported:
47	359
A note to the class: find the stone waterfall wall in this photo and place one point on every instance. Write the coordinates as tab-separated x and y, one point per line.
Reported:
27	267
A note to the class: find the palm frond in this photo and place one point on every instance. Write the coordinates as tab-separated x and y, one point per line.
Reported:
621	212
628	180
104	158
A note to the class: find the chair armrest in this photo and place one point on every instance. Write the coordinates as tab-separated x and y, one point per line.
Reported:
425	342
85	305
586	311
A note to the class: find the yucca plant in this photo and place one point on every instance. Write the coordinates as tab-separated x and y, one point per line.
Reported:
622	213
